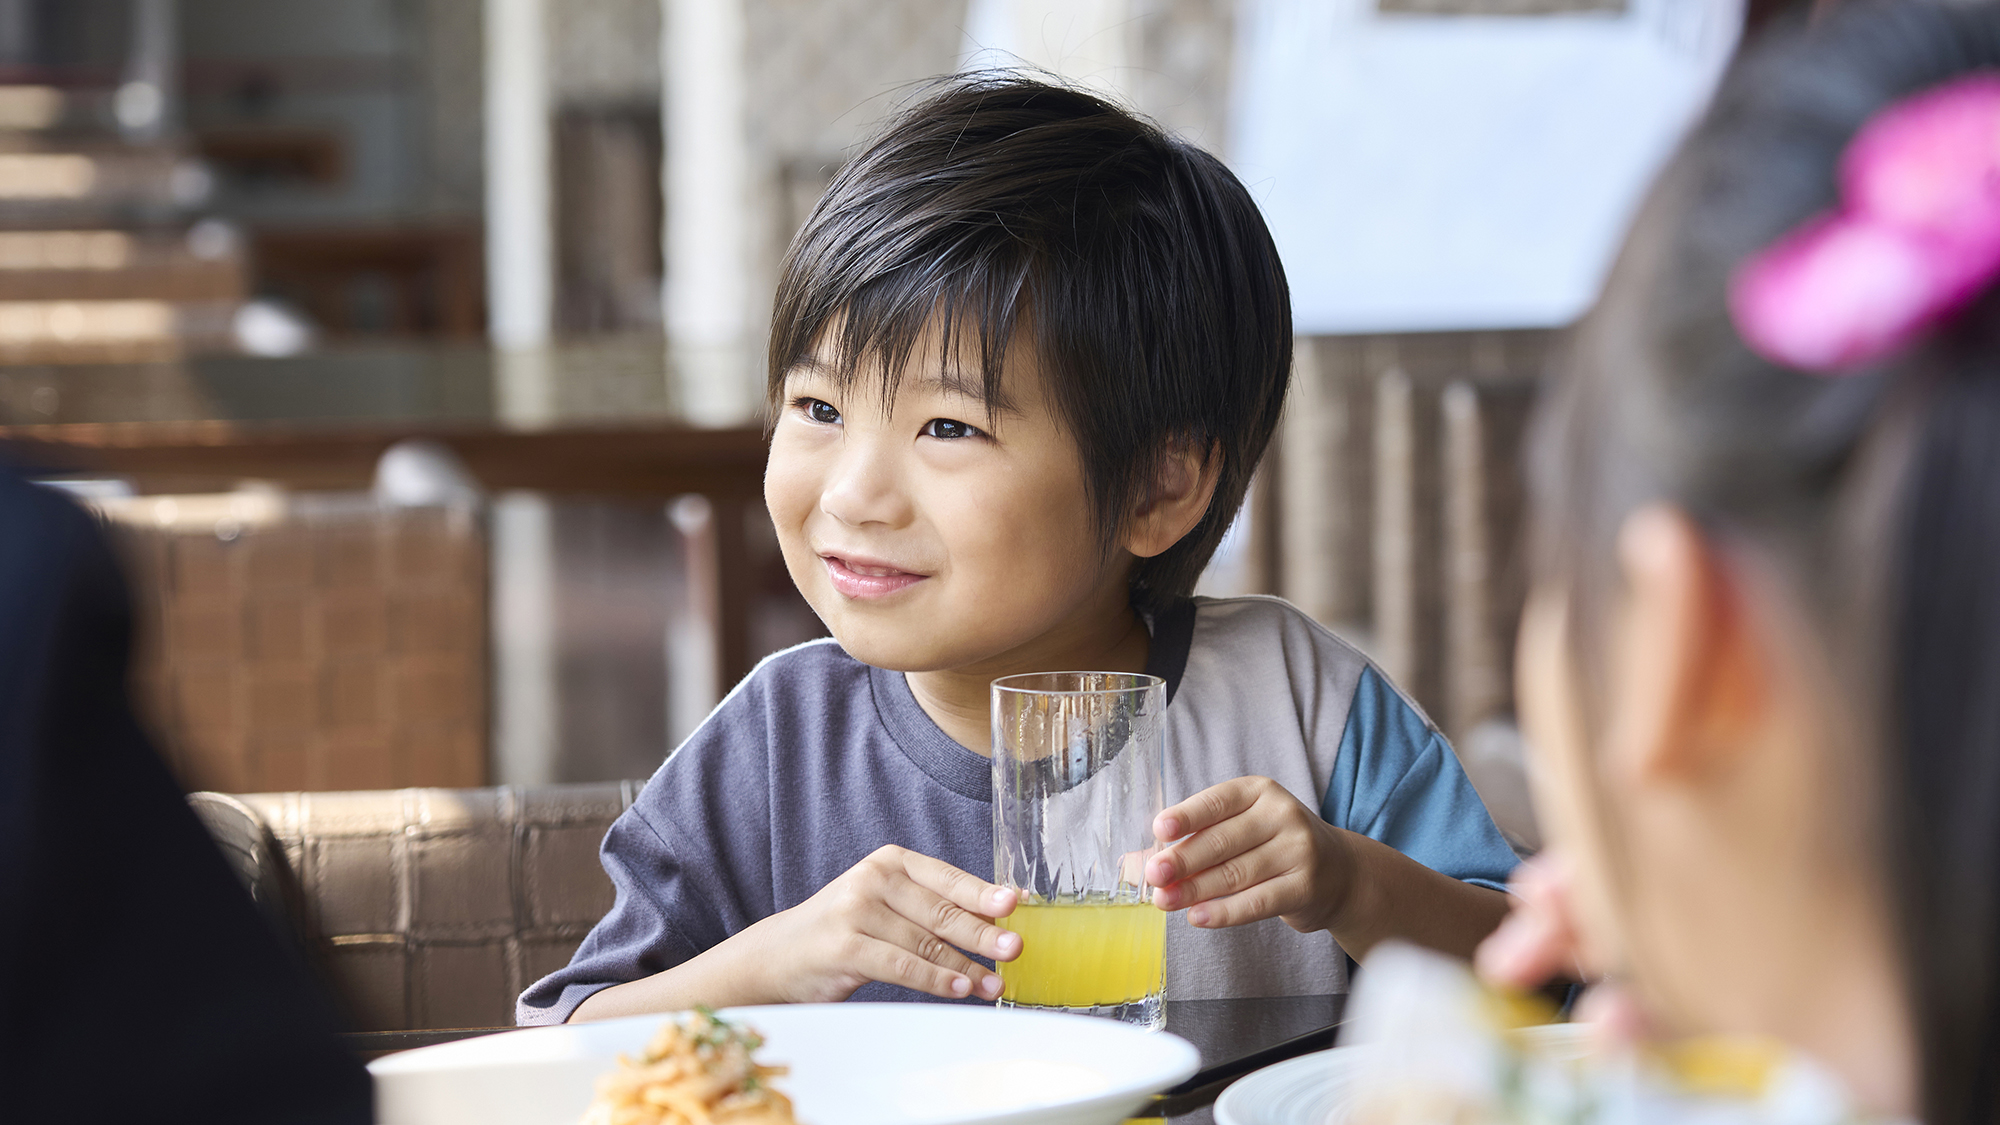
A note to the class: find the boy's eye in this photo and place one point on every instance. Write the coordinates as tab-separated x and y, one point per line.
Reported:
948	430
821	412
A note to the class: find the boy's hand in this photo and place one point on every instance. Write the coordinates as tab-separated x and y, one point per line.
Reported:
895	917
1251	840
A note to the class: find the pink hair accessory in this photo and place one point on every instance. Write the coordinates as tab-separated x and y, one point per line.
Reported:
1916	237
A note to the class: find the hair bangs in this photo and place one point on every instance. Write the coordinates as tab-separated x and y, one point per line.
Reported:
969	314
865	297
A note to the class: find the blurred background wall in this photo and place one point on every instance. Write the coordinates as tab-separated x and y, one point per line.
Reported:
415	346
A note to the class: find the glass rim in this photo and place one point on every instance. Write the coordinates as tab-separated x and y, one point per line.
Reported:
1141	681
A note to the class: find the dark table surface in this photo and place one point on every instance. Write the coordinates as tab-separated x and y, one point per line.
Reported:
602	418
615	380
1235	1037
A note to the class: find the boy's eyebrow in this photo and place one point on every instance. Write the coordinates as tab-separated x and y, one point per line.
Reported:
958	384
811	365
953	382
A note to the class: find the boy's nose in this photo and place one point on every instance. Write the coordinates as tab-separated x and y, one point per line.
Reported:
866	487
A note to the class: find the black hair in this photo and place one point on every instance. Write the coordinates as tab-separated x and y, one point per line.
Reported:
1002	209
1874	495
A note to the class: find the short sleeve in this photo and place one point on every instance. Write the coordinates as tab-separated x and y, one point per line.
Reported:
689	862
1397	780
644	933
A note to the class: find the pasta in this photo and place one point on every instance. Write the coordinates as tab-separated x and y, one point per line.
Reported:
697	1070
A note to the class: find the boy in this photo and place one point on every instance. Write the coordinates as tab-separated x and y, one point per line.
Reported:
1026	352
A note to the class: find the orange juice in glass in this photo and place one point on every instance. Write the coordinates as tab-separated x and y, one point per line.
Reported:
1078	776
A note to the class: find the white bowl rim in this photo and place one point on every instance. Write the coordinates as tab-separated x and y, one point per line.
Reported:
1177	1059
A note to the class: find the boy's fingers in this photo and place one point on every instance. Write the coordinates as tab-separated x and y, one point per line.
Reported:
897	965
939	916
1269	899
1211	806
904	956
1205	849
969	892
1233	875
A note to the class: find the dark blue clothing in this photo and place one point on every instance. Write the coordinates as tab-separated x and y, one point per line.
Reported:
142	983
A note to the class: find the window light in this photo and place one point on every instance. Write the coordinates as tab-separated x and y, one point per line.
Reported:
65	250
46	175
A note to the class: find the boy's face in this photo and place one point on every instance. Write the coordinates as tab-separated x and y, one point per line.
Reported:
930	536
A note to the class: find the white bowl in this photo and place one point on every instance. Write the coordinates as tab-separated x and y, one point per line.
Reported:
851	1064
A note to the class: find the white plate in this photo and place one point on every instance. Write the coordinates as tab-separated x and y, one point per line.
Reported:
1308	1090
1301	1091
852	1064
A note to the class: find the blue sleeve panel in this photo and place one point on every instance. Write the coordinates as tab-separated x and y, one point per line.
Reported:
1396	780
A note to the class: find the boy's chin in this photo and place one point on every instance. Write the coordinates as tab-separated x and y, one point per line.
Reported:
897	651
895	655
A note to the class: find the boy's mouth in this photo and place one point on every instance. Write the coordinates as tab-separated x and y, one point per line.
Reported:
856	577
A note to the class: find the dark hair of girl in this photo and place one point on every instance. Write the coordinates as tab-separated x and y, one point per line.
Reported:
1001	210
1875	496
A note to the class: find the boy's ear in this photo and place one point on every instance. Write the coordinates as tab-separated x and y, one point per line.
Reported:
1182	486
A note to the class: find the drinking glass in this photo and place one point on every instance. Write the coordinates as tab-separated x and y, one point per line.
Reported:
1078	776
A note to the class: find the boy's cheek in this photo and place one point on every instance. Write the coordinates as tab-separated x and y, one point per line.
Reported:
808	572
790	493
790	506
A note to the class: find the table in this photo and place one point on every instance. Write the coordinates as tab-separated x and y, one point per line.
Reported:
1235	1037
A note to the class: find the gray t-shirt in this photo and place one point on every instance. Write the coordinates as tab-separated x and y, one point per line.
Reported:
816	759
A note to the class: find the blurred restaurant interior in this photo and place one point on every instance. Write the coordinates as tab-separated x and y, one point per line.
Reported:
412	349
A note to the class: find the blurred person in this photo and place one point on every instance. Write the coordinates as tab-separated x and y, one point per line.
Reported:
1027	351
1758	667
143	982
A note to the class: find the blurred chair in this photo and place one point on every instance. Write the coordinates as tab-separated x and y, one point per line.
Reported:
1482	427
310	640
1400	510
1400	505
427	908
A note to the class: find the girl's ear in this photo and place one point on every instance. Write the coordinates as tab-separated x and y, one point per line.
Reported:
1178	497
1691	659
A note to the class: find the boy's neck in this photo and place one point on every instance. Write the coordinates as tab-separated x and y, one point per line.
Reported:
1109	638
